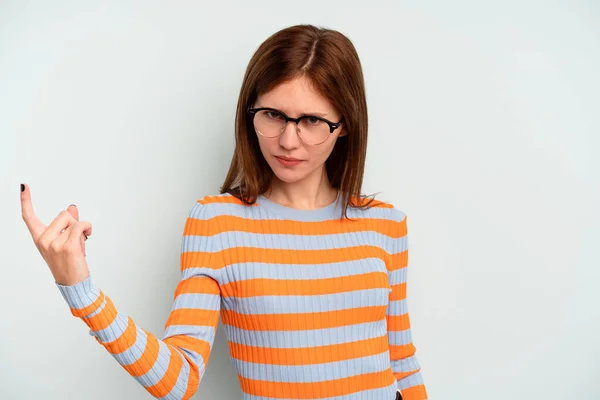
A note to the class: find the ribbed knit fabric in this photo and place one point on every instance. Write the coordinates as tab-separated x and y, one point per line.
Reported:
313	306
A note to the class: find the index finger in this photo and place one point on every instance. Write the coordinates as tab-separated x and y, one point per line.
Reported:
35	226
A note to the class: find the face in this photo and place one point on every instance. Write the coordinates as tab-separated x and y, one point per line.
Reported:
296	98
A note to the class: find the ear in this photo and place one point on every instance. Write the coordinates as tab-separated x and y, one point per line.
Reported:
344	132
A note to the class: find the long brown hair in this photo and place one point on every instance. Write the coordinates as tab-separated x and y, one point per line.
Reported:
329	60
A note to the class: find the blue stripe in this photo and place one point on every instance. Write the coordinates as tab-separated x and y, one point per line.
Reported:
202	332
257	213
400	338
398	276
232	239
197	301
306	338
158	370
311	372
237	272
180	387
405	364
288	304
384	393
397	307
134	353
411	380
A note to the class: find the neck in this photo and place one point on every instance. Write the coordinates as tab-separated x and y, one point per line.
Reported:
301	196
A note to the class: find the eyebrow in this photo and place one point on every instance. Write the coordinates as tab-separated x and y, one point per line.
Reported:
316	114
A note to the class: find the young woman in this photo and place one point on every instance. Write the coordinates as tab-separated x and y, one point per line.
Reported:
308	276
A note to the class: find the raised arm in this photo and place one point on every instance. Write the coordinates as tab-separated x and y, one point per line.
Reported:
405	366
168	368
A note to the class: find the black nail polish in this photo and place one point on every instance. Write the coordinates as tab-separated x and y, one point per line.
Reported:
22	187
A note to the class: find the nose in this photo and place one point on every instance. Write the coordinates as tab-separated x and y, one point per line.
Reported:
289	137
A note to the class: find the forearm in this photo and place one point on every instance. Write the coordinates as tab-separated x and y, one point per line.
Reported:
161	367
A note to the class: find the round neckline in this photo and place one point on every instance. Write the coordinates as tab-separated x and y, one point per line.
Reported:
330	211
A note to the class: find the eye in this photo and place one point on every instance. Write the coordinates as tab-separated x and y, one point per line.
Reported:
313	120
273	114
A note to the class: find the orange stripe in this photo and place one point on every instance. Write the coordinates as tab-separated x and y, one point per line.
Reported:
414	393
192	316
402	351
142	365
308	355
228	223
398	260
398	292
308	390
164	386
104	318
402	375
193	382
298	287
242	254
222	200
82	312
234	200
398	322
197	284
190	259
125	341
184	342
303	321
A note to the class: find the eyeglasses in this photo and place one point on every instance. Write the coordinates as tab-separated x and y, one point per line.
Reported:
271	123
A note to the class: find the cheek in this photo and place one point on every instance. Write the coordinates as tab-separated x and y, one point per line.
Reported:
321	153
266	147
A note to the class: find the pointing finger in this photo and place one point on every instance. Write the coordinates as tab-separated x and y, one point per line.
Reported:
35	226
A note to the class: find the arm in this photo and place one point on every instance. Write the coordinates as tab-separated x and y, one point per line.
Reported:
405	366
171	367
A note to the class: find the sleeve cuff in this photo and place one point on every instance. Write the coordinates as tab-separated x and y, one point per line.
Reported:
83	298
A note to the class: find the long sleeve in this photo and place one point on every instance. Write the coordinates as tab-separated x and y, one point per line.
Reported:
171	367
405	366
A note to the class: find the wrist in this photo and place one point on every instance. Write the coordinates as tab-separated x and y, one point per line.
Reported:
82	297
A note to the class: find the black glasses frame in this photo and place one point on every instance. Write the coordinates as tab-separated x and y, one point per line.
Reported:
332	125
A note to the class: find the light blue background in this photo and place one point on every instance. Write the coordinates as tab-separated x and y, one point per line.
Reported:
483	129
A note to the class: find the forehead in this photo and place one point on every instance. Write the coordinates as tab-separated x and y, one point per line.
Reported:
296	96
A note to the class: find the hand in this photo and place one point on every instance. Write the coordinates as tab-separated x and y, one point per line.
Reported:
62	243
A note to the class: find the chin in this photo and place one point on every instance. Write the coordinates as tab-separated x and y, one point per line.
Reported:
289	179
286	175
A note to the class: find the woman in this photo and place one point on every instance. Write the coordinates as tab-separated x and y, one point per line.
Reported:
308	276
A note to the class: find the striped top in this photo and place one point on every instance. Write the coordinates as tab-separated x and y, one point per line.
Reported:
313	306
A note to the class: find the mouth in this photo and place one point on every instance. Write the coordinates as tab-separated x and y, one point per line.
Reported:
288	159
288	162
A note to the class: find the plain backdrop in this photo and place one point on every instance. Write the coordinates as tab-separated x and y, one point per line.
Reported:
484	130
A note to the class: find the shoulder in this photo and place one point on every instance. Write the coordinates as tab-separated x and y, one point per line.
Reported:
212	199
213	205
380	209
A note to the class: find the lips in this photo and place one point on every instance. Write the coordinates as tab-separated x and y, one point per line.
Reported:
288	159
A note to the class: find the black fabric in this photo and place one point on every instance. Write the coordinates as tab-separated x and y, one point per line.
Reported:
398	396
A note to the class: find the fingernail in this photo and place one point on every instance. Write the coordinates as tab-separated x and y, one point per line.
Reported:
72	205
22	187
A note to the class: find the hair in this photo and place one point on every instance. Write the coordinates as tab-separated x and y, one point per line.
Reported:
330	62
